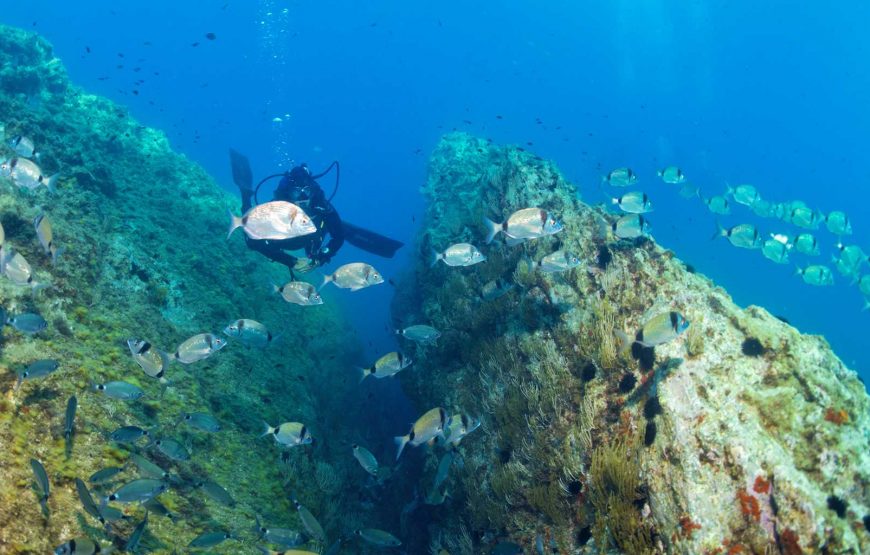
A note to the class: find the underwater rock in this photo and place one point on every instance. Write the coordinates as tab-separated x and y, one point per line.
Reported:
743	455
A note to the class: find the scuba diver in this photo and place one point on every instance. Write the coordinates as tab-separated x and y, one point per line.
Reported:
303	254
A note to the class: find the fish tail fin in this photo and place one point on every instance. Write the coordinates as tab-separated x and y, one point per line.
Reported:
866	305
625	342
436	256
492	229
276	289
400	442
720	231
51	183
326	279
267	429
18	383
235	222
55	253
798	271
361	372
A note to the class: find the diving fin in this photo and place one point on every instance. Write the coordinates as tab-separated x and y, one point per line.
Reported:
242	176
370	241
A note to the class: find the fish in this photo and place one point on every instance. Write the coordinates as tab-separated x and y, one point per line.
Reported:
460	254
635	202
620	177
199	347
150	359
745	236
864	284
2	235
43	486
427	427
46	237
17	269
852	254
290	434
105	475
688	191
23	146
156	507
420	333
284	537
805	243
37	369
249	332
310	523
838	223
201	421
210	539
524	224
366	459
671	175
630	226
70	417
27	323
171	449
276	220
746	195
78	546
267	551
128	434
507	548
27	174
388	365
216	492
354	276
378	537
132	542
299	292
718	205
805	217
460	426
436	496
763	208
494	289
776	250
845	266
443	469
88	502
137	491
659	329
123	391
816	274
559	261
148	468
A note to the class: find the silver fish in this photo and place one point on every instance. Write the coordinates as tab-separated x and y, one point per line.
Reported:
688	190
378	537
249	332
524	224
150	359
310	523
366	459
838	223
17	269
42	484
745	236
805	243
763	208
621	177
776	251
746	195
216	492
78	546
210	539
105	475
23	146
852	254
558	261
388	365
299	292
137	491
817	275
27	322
199	347
288	433
631	226
659	329
172	449
420	333
128	434
46	237
201	421
354	276
845	266
37	369
123	391
284	537
27	174
635	202
460	254
2	235
864	284
274	220
804	217
460	425
427	427
718	205
671	175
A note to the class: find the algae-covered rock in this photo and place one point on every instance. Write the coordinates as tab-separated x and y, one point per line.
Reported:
740	436
145	256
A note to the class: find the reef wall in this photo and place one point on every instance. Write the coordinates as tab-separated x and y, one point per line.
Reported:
146	256
760	436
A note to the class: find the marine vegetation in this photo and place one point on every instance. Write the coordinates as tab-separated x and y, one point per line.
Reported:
565	456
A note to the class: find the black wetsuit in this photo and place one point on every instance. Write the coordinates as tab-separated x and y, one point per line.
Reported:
298	187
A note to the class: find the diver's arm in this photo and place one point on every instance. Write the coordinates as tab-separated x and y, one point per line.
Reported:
332	223
271	251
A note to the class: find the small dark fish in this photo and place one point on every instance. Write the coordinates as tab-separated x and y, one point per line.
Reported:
201	421
38	369
195	44
148	468
210	539
216	492
104	475
138	491
44	488
172	449
28	323
120	390
128	434
210	36
136	536
284	537
88	502
78	546
69	424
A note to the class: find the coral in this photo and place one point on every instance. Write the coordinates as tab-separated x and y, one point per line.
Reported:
688	526
761	485
836	416
749	505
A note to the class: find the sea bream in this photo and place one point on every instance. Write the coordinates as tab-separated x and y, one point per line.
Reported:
150	359
46	237
38	369
378	537
522	225
289	434
249	332
123	391
717	205
354	276
838	223
672	175
366	459
299	292
776	250
25	173
198	347
17	269
620	177
746	195
805	243
78	546
630	226
460	254
427	427
745	236
659	329
274	220
388	365
23	146
816	275
635	202
420	333
559	261
805	217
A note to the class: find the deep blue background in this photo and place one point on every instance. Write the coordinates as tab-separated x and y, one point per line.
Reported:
773	95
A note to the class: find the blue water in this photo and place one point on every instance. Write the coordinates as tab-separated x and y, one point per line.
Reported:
773	95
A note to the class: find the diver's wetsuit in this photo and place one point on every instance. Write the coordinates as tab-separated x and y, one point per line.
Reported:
298	187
